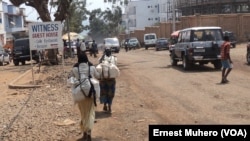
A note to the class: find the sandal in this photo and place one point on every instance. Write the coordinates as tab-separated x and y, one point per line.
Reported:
109	110
105	108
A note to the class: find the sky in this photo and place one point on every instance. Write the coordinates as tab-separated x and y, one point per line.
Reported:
91	4
32	15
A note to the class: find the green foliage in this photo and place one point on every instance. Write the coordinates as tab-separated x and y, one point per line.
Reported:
77	14
105	23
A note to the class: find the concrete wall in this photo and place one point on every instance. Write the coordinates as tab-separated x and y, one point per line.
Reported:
238	23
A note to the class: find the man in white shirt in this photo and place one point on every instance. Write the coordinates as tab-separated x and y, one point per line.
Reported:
83	47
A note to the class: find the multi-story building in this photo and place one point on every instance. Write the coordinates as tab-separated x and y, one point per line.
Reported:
142	13
12	20
139	14
205	7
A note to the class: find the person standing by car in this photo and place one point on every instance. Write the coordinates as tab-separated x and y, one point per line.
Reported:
78	45
94	49
86	106
226	61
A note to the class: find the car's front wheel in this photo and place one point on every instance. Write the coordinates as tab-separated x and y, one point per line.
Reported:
248	58
8	61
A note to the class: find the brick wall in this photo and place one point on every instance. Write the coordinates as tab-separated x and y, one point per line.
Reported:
237	23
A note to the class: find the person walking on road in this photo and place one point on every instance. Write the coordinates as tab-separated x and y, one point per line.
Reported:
227	63
86	106
107	85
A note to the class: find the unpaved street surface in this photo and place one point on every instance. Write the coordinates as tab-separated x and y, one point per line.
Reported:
149	91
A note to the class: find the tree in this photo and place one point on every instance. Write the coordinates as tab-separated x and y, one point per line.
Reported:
77	14
105	23
41	7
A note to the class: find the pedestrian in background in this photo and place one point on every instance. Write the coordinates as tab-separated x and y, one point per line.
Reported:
78	45
94	49
87	106
226	62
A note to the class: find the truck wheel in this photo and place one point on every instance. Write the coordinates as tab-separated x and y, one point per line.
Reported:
186	65
16	63
217	64
23	62
172	60
248	58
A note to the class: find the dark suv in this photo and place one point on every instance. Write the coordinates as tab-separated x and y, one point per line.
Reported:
198	45
21	52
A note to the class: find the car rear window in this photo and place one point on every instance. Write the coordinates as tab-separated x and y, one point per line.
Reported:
150	37
19	44
207	35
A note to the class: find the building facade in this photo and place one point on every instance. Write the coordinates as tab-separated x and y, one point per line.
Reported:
142	13
207	7
12	20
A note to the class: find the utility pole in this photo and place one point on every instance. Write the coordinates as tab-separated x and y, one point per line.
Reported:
70	50
173	11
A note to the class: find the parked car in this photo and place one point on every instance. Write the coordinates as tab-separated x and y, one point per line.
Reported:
113	44
88	44
232	38
21	52
161	44
133	43
72	46
4	56
149	40
248	53
198	45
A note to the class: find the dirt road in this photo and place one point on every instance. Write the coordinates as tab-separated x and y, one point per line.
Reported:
149	91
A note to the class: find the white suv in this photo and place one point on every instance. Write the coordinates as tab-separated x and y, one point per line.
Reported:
150	40
113	44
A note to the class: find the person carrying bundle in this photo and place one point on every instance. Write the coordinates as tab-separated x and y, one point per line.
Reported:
108	74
